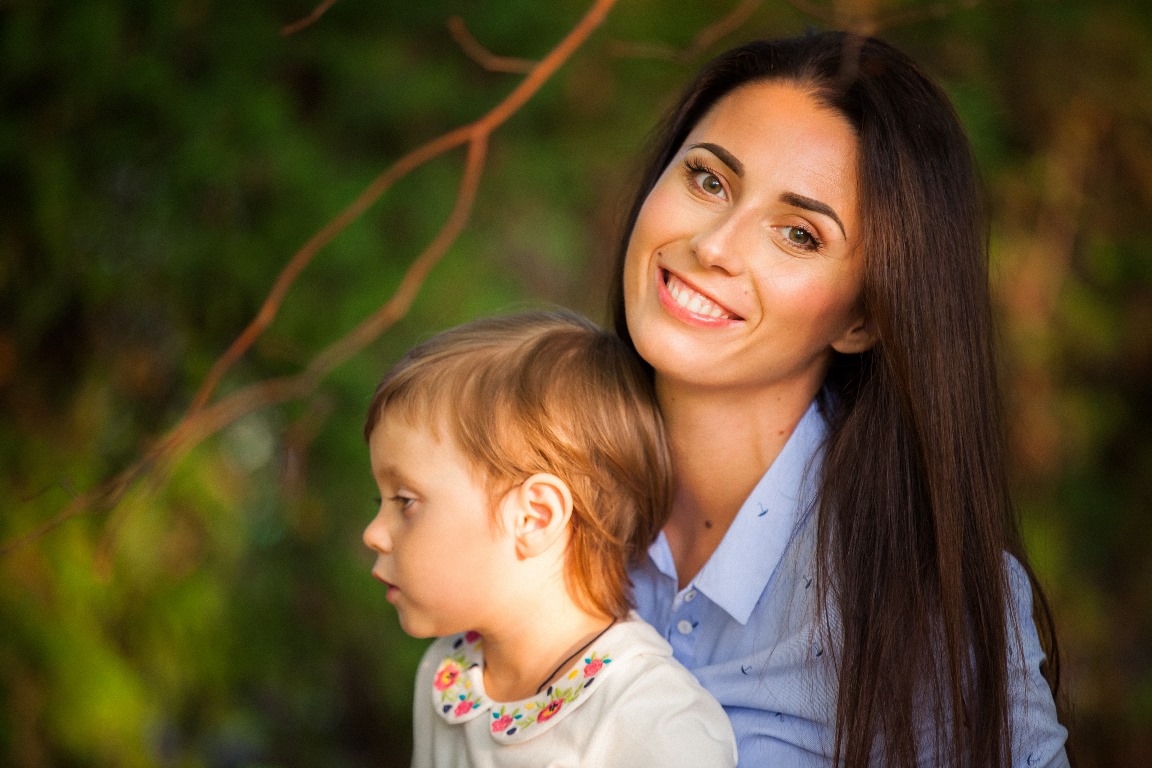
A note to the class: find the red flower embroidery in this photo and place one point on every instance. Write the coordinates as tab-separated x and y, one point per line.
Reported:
464	708
472	636
502	723
550	710
446	676
593	667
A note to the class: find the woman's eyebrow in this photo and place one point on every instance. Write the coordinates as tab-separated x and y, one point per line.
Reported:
808	204
725	156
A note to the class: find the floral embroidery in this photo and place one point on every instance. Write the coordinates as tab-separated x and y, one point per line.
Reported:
459	691
446	675
455	679
592	665
541	709
502	721
552	708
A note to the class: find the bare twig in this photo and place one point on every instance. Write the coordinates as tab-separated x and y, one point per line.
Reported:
481	55
718	30
303	257
905	16
204	419
309	20
704	39
825	13
871	20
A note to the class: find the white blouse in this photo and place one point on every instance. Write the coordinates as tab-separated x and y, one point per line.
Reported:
625	702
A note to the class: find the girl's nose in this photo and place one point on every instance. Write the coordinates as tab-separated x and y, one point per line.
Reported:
376	536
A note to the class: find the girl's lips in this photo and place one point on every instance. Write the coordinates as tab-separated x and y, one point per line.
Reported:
687	303
393	590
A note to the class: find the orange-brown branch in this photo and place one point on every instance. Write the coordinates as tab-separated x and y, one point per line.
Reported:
703	40
481	55
867	18
204	418
309	20
414	159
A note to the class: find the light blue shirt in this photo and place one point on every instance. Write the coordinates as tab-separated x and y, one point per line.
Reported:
746	627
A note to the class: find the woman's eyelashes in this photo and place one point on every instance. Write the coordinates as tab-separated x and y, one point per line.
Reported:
801	237
704	179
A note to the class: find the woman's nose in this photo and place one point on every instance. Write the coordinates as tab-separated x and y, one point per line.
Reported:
376	536
720	245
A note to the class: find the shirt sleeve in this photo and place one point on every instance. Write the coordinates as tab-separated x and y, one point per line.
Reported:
1037	737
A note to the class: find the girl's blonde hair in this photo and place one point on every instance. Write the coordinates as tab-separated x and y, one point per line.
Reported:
549	392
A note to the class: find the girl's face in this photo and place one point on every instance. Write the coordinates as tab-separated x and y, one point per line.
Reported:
438	548
741	270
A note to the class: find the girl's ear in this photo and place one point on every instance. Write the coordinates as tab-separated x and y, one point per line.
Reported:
860	337
541	508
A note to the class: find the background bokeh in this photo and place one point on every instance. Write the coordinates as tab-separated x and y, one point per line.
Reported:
161	160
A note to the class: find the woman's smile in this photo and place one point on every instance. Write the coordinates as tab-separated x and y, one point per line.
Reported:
686	302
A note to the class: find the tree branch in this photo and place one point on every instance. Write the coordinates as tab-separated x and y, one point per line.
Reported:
871	21
203	418
703	40
307	21
481	55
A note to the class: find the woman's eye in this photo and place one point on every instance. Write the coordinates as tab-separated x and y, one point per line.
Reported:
800	237
709	183
701	177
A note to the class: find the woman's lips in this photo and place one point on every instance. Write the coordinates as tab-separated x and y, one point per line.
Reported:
686	302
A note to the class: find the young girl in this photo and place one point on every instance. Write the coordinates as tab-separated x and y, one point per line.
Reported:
522	467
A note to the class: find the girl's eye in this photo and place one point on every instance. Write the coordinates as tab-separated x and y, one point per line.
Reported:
800	237
403	503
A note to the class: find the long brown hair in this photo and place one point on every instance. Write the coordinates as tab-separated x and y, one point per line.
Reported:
914	515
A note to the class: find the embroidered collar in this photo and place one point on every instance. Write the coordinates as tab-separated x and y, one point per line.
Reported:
458	690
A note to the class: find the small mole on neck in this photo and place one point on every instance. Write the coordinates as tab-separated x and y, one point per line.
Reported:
707	523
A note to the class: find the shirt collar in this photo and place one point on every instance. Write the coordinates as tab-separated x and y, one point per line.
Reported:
738	571
458	686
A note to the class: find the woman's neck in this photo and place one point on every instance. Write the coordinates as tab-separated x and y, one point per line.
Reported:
722	443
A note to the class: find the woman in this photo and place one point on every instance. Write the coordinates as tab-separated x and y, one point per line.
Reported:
805	271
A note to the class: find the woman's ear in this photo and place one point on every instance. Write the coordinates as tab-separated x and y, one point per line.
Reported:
860	337
540	509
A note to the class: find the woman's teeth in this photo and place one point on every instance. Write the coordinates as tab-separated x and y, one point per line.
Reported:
693	301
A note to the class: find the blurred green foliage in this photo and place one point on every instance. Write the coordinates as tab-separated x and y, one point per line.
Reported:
160	160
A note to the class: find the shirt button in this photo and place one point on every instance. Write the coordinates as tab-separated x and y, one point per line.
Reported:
684	627
690	595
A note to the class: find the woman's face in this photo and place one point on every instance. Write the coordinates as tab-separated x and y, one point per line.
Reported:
742	270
